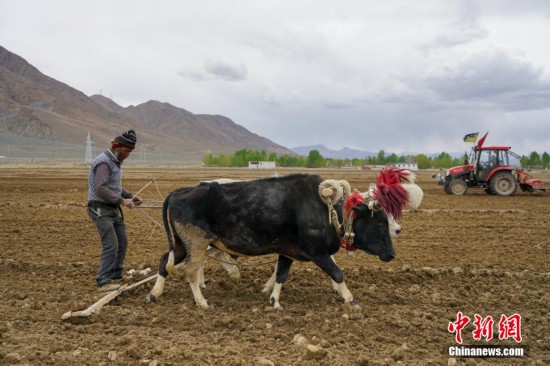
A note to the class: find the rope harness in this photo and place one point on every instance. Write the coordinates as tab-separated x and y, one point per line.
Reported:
331	191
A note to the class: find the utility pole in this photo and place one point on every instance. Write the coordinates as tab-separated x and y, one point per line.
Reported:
89	149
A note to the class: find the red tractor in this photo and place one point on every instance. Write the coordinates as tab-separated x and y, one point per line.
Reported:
489	168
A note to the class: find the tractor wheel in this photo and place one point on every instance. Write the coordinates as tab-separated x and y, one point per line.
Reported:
488	190
503	184
458	187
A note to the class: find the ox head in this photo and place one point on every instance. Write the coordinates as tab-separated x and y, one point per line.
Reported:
373	211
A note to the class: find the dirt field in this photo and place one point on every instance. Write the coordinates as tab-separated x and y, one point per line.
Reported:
475	254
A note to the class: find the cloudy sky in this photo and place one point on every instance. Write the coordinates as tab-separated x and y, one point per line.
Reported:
397	75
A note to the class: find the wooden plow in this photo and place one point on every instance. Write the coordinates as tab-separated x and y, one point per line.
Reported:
96	307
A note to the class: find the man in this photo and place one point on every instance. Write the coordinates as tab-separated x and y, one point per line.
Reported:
105	196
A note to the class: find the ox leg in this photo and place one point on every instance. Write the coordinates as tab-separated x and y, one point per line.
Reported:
329	267
158	289
229	264
200	277
271	282
335	286
196	245
193	272
283	267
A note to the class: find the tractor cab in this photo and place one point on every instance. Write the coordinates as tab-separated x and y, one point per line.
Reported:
489	160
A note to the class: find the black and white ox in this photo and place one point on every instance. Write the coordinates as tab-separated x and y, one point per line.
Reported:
283	215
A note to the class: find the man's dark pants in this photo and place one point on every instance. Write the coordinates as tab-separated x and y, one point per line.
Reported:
112	232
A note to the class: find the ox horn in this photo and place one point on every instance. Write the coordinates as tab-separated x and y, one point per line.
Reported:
327	192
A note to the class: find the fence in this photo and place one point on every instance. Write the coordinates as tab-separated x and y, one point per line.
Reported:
73	153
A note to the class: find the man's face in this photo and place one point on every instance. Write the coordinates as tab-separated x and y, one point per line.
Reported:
123	152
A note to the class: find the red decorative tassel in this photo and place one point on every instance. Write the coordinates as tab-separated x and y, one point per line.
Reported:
389	193
354	200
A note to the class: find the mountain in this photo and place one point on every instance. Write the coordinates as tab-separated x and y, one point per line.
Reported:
348	153
106	103
36	109
198	130
344	153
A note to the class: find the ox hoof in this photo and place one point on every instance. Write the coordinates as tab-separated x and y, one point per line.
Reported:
235	276
150	298
203	305
352	305
355	305
276	305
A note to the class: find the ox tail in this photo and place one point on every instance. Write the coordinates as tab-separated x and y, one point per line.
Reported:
170	264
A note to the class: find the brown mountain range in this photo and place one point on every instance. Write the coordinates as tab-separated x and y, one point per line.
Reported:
39	110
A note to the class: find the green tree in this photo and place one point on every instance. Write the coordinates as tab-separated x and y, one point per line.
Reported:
208	159
240	158
224	161
534	158
371	160
393	159
456	162
423	161
444	160
315	159
465	159
545	160
524	161
357	162
381	157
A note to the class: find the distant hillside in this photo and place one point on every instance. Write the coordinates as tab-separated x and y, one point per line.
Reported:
199	130
345	153
39	110
348	153
106	103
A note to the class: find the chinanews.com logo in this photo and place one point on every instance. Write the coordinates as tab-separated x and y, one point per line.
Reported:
508	327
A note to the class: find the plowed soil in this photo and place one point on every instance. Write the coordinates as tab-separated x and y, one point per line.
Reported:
475	254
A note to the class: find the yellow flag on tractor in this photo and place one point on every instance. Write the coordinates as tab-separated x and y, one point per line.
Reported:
472	137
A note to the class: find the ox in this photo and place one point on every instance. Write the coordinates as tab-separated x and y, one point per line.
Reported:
282	215
231	267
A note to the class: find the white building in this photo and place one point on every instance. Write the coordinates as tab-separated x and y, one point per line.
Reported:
410	166
261	164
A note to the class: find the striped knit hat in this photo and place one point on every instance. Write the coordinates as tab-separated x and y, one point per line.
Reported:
127	139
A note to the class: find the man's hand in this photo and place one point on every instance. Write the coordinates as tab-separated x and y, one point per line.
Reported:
137	200
128	202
